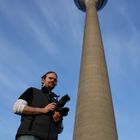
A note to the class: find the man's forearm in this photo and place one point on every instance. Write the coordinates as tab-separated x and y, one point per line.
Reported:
33	110
21	107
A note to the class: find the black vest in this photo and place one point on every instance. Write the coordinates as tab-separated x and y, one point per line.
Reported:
42	125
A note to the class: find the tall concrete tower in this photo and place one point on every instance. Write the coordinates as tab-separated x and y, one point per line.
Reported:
94	113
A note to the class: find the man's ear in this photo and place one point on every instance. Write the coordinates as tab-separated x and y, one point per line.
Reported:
43	81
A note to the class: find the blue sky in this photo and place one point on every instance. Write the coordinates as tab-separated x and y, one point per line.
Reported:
41	35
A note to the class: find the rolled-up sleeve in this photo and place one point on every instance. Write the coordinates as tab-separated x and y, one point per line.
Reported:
19	106
23	101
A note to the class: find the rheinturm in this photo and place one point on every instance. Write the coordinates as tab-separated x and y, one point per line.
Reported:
94	118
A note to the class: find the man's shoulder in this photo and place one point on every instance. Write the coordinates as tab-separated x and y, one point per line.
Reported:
34	89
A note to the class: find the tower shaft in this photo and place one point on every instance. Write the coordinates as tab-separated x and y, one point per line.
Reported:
94	113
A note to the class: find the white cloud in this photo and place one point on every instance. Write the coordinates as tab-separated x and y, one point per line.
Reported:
123	46
32	25
41	35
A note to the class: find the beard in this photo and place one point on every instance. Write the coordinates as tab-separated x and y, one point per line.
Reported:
51	85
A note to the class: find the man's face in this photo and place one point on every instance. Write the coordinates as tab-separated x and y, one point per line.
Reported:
50	80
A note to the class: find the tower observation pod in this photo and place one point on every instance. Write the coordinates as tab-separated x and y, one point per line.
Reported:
94	118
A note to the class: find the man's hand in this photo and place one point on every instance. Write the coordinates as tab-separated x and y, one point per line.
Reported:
49	107
56	116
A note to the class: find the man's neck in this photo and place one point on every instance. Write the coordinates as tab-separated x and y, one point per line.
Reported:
47	89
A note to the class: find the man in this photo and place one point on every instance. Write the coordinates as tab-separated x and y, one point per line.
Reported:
39	118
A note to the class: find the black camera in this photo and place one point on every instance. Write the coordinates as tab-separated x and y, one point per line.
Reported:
60	105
